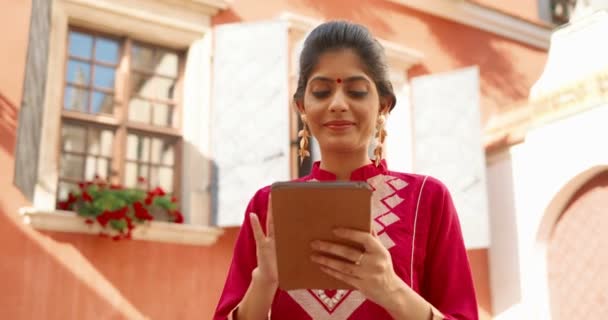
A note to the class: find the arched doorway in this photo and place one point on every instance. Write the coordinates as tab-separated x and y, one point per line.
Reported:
577	252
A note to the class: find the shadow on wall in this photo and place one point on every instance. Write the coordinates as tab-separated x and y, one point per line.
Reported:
501	80
8	124
359	13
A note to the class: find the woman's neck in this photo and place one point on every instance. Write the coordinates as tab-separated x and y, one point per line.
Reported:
343	164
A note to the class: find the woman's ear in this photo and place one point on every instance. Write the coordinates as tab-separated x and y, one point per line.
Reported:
385	105
300	106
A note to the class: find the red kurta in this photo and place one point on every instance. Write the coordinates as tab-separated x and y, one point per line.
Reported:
414	218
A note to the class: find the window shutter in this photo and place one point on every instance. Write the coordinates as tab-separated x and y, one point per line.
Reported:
29	130
448	145
250	114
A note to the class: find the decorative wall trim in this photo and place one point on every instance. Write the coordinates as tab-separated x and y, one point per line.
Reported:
579	96
486	19
67	221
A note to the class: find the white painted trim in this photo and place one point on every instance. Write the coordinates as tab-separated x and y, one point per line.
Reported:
158	22
399	56
67	221
484	19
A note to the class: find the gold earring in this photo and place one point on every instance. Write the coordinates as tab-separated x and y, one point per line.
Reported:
304	135
380	136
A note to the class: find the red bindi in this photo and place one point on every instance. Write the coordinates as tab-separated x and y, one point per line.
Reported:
339	80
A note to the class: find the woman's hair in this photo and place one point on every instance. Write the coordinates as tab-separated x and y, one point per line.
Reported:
340	35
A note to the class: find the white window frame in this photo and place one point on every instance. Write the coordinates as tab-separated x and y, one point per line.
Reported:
177	24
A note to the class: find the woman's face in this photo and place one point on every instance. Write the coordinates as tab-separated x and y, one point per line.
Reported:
341	103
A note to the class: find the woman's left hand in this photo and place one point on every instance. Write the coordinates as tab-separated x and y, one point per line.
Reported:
370	271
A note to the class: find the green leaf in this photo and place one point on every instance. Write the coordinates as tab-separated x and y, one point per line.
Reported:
118	224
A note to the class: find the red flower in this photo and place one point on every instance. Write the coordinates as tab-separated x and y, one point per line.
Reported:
118	214
115	186
72	198
130	225
173	199
103	218
148	200
158	191
116	238
88	221
141	212
86	197
179	218
63	205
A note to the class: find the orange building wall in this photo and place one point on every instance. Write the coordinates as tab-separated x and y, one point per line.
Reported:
41	272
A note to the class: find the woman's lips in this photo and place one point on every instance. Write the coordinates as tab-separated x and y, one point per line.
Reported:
339	124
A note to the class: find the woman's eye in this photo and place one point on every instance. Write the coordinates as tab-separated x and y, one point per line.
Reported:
321	94
357	94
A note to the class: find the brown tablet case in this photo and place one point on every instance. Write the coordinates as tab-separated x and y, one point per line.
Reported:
307	211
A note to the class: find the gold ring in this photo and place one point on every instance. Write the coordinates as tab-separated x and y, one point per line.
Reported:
358	262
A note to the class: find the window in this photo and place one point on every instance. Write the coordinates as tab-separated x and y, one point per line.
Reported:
561	10
119	119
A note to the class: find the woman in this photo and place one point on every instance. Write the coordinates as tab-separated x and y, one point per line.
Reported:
414	265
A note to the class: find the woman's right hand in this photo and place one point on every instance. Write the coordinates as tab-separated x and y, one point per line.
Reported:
266	271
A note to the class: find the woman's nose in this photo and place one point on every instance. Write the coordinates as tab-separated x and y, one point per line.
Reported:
338	102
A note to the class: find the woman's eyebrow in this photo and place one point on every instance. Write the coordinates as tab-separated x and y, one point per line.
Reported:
349	79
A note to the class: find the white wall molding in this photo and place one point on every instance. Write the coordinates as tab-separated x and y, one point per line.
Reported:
484	19
68	221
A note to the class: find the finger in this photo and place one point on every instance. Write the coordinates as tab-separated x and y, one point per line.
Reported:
269	219
336	249
364	238
341	276
258	233
346	268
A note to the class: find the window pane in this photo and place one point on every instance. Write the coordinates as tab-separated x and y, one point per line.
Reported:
81	45
155	60
153	87
163	115
130	175
166	178
100	142
102	103
140	110
133	171
90	168
72	138
162	177
71	166
78	72
162	152
103	168
106	50
138	147
104	77
64	189
96	166
76	99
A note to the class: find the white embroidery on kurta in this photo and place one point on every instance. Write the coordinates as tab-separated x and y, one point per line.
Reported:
317	303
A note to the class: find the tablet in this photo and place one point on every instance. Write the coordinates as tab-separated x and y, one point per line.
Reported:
308	211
